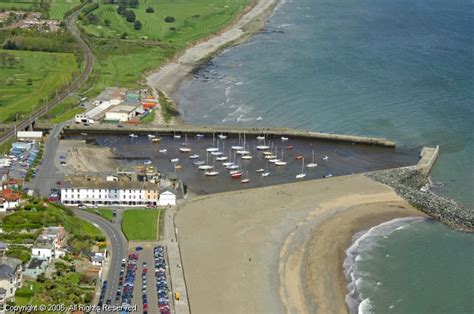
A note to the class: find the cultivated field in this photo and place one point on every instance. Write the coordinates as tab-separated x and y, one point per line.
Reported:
47	71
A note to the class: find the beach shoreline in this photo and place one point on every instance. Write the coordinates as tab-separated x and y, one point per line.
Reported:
258	245
168	77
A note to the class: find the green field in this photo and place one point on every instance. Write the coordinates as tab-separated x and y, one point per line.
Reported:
140	224
194	19
48	72
90	229
15	5
59	7
103	212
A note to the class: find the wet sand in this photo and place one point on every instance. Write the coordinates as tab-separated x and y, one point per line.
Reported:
248	251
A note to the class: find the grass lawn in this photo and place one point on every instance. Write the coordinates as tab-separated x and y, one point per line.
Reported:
6	4
89	229
59	7
48	72
65	111
140	224
149	117
104	212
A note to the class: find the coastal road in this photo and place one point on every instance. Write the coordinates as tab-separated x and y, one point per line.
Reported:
71	25
117	246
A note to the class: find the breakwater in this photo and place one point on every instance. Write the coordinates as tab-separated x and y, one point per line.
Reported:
410	183
226	130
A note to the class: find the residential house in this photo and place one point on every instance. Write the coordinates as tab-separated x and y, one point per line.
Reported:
44	248
10	279
35	267
9	199
167	198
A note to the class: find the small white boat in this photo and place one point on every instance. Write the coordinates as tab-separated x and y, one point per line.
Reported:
212	173
273	160
263	147
267	153
156	140
132	135
260	170
177	166
84	134
184	149
174	160
199	135
259	119
199	163
227	164
243	152
163	150
232	167
151	136
235	173
270	157
302	174
280	163
312	164
176	136
328	175
205	167
216	153
222	136
212	149
237	147
325	158
194	156
265	174
147	162
246	157
246	179
222	158
283	138
260	138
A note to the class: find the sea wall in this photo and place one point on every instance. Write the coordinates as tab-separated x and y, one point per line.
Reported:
227	130
409	182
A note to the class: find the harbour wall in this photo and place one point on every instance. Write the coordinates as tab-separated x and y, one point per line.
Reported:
226	130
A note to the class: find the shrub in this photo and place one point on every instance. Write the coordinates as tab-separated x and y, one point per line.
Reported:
124	35
169	19
137	25
150	10
107	22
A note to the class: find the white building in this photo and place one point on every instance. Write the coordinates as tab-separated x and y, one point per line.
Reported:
10	279
44	248
121	113
124	193
29	135
167	198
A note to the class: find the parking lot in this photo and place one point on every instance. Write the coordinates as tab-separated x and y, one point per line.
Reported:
144	279
21	158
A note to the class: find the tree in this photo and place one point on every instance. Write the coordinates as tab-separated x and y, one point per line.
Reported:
169	19
130	15
137	25
107	22
150	10
124	35
121	9
134	3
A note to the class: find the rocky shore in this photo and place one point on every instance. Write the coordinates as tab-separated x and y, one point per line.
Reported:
412	184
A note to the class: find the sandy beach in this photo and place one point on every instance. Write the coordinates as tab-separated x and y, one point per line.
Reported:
278	249
168	77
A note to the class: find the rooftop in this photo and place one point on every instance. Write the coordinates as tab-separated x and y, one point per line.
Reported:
43	243
36	263
111	185
123	109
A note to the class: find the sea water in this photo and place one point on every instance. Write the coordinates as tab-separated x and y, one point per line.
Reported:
398	69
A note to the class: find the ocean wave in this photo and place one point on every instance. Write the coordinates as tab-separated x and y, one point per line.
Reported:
361	243
365	306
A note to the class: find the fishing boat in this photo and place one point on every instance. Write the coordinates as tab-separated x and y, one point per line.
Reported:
156	140
299	157
199	135
328	175
246	179
312	164
194	156
163	150
174	160
325	158
199	163
222	158
151	136
212	173
133	135
302	174
246	157
260	170
283	138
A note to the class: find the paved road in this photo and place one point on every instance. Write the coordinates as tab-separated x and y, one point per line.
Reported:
71	25
48	174
117	246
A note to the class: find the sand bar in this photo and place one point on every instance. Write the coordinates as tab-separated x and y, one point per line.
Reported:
236	246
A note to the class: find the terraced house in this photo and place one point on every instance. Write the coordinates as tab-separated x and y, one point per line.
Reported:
123	193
